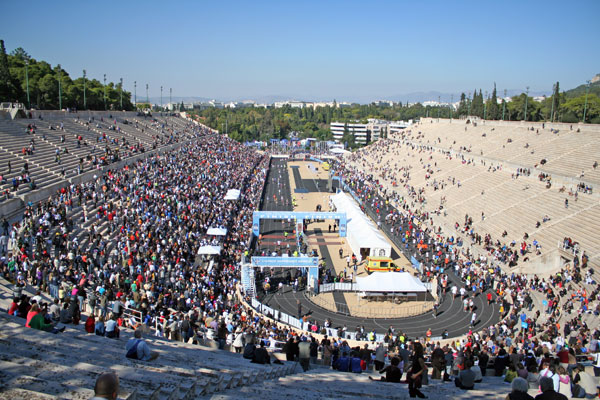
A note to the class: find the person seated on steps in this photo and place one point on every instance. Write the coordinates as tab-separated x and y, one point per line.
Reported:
392	372
35	320
138	349
261	355
466	377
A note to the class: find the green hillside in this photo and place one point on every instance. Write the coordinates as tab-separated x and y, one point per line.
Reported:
580	90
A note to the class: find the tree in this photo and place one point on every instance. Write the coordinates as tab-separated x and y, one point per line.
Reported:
492	112
8	91
573	109
555	102
20	54
463	107
477	104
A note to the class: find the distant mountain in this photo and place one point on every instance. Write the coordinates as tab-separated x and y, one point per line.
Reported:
176	99
580	90
421	97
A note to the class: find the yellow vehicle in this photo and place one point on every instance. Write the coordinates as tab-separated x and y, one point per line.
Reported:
382	264
325	166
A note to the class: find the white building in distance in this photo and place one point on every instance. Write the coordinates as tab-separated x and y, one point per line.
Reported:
373	130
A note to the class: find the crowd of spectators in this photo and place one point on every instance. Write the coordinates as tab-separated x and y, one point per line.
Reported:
145	222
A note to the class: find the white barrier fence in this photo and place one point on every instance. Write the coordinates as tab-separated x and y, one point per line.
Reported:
299	324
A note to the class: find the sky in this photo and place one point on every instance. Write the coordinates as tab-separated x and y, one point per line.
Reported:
313	50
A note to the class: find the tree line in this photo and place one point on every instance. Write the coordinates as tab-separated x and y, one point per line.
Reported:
256	123
52	87
567	106
248	124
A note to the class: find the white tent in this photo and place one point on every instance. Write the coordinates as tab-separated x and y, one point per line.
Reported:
232	194
217	231
390	282
209	250
337	150
363	236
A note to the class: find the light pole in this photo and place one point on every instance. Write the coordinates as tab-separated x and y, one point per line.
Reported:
503	104
526	96
587	88
147	98
161	98
439	105
121	93
104	92
84	99
27	82
171	98
59	90
135	94
451	105
552	108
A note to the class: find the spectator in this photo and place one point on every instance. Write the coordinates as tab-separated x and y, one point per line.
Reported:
112	328
583	383
417	369
65	315
466	378
564	382
261	355
99	328
138	349
36	321
304	354
392	372
106	387
90	324
511	373
519	389
548	392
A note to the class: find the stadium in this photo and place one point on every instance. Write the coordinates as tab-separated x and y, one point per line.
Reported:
154	250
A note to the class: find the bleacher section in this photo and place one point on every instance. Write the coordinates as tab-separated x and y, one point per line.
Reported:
104	138
440	155
323	383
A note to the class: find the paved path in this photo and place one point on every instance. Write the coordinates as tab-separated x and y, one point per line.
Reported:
450	316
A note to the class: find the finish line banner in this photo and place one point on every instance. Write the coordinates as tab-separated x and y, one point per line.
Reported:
285	262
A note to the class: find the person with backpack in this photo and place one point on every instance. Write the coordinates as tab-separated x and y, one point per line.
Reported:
138	349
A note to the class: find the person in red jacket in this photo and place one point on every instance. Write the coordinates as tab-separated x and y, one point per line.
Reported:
14	307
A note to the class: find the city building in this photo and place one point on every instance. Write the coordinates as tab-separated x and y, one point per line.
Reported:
373	130
359	131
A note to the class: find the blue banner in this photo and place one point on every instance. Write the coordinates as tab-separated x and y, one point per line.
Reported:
416	264
285	262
